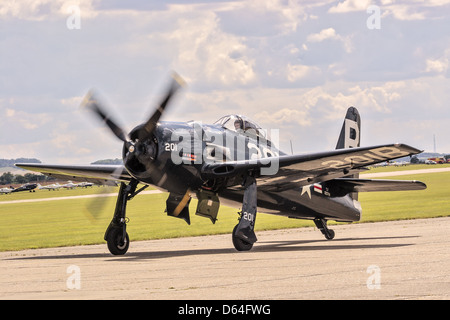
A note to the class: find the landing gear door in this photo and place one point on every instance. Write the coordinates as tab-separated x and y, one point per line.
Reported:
208	204
178	206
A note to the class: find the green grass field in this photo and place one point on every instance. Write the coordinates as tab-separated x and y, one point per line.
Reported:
84	221
410	167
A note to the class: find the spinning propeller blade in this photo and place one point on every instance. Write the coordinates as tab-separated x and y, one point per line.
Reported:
150	125
92	103
136	147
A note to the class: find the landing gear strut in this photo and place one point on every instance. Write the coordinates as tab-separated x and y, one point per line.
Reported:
321	224
244	232
116	235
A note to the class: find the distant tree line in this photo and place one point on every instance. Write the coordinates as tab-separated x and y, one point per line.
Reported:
8	178
108	161
11	162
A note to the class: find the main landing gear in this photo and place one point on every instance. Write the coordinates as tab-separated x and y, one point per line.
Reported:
321	224
244	232
116	235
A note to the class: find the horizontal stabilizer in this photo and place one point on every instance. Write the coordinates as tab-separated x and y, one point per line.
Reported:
343	186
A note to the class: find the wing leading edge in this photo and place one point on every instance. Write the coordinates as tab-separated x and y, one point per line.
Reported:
99	174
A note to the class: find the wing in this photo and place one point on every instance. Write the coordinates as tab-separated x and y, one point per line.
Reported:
287	172
99	174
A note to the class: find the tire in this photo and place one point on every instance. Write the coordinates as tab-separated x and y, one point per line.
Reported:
240	244
116	244
329	235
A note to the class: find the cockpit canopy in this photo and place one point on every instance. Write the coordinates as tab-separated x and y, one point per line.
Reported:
241	124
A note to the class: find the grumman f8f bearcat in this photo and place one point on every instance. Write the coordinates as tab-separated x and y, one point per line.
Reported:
233	162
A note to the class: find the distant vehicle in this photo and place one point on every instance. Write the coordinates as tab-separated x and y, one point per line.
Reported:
382	164
437	160
6	190
85	184
26	187
401	163
69	185
50	187
430	161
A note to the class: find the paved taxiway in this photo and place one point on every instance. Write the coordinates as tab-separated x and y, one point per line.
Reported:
385	260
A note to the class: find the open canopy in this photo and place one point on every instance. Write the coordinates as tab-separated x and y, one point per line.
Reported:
240	123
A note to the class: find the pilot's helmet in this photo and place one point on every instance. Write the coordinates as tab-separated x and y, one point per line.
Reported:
238	124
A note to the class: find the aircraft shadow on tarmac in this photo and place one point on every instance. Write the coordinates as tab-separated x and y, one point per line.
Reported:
263	246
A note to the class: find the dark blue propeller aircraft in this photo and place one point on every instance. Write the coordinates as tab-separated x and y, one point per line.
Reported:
233	162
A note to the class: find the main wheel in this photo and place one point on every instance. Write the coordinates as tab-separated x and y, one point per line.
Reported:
329	235
240	244
117	245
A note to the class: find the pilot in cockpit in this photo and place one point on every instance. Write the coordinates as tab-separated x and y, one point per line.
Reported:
238	125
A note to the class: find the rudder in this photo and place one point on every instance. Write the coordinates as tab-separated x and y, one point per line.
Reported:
350	136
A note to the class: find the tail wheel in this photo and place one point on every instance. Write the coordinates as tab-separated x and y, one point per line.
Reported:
321	224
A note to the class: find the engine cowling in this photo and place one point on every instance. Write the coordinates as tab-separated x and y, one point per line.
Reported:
138	156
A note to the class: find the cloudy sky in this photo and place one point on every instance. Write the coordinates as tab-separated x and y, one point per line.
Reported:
290	65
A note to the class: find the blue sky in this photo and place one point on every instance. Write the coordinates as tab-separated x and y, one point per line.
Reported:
290	65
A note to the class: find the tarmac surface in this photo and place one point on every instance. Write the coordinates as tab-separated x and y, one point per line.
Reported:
385	260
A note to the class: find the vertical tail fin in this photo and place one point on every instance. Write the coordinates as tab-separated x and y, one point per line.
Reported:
350	136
